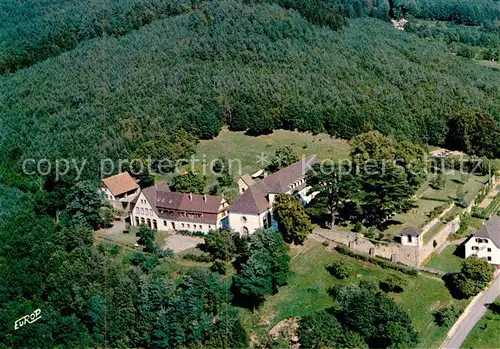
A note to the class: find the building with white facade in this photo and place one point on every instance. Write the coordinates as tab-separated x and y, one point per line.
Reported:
485	243
253	209
161	209
411	236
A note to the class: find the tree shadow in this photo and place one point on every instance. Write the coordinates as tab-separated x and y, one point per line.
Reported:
255	133
460	251
385	225
448	281
494	307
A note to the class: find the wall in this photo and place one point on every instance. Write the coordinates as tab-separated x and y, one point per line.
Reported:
409	255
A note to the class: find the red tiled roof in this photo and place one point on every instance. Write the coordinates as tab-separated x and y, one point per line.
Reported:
120	183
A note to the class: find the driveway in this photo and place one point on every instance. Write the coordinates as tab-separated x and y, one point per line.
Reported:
179	243
471	316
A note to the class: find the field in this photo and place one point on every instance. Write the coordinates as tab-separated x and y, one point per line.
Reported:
418	215
307	292
245	152
449	260
486	333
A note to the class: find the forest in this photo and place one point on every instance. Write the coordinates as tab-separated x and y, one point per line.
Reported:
251	67
133	78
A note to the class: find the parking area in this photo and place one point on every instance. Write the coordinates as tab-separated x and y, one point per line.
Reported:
179	243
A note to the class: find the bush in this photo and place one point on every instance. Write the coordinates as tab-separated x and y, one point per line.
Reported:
219	267
205	258
435	199
340	269
167	253
358	227
474	276
376	260
479	212
190	233
393	283
325	243
437	211
446	316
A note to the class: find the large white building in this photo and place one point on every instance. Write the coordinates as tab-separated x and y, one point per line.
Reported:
253	209
485	243
161	209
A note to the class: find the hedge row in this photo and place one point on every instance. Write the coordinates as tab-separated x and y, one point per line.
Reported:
376	260
435	199
190	232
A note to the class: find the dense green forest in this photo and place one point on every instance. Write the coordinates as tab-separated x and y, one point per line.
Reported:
477	12
253	68
166	67
34	30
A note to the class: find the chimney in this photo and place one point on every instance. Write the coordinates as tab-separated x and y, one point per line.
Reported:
205	197
190	196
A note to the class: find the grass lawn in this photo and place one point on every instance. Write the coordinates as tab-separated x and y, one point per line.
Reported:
129	239
453	181
245	150
307	292
486	333
416	217
447	260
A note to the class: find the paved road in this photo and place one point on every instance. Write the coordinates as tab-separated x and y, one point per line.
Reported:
474	314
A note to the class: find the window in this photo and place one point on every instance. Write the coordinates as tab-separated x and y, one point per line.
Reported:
189	226
142	210
165	223
151	212
142	220
409	238
182	225
137	221
243	219
489	249
244	231
137	210
489	259
155	224
475	248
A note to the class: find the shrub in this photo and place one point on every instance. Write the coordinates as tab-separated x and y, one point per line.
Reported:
435	199
393	283
358	227
190	233
437	211
325	243
164	253
340	269
219	267
198	257
479	212
474	276
446	316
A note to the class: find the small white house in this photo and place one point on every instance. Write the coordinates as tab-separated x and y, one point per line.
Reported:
411	236
485	243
